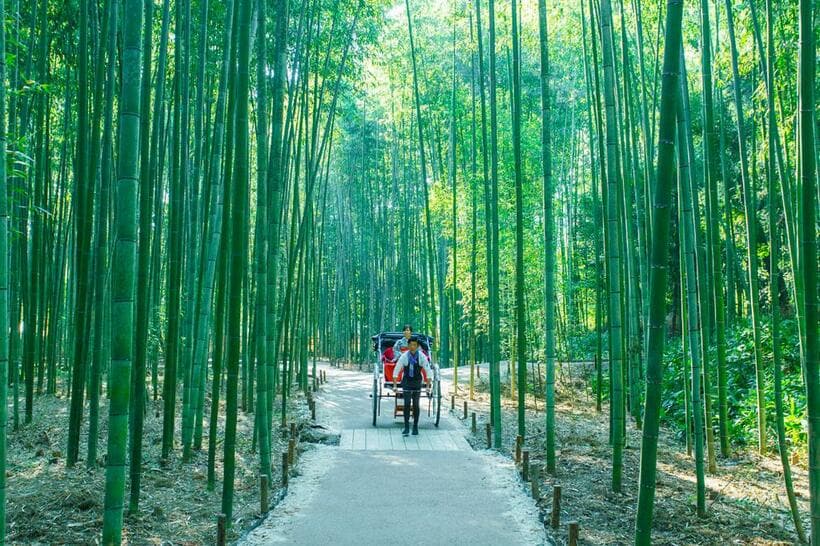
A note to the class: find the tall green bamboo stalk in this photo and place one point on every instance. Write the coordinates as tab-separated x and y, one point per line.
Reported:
750	208
712	162
453	296
82	221
101	266
612	234
686	195
495	313
473	334
431	302
549	240
262	246
520	310
807	166
659	258
200	203
5	263
238	253
123	273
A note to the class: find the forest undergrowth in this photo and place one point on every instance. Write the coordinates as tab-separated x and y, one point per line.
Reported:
53	504
746	502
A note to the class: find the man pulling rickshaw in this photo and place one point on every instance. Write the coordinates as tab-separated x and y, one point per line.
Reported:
410	365
404	370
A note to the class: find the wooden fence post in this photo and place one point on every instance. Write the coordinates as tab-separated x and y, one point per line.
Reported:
489	436
220	530
293	430
518	441
525	466
573	533
535	488
263	494
473	425
555	520
285	469
453	403
291	451
465	410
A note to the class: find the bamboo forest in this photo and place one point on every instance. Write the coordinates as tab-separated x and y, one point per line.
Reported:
233	231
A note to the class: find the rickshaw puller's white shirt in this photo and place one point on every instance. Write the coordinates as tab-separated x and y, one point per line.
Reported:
404	362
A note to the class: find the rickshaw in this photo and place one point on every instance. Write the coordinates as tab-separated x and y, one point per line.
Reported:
385	385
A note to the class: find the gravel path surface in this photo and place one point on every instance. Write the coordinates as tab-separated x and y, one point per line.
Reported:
397	496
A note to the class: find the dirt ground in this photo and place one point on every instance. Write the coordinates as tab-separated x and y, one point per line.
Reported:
48	503
746	499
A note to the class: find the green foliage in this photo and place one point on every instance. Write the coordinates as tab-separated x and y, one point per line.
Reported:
741	385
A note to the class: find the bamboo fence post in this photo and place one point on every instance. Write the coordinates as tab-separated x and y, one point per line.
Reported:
285	469
573	533
263	494
291	451
220	530
535	489
555	520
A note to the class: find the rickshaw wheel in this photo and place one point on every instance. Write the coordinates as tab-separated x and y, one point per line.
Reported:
437	399
375	397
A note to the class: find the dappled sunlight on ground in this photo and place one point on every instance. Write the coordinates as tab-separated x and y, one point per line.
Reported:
746	501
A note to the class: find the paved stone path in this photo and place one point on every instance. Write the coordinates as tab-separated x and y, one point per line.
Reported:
378	487
391	439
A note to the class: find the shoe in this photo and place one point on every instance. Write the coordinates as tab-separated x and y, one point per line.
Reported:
405	432
415	430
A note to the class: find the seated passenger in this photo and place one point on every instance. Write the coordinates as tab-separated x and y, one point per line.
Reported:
401	345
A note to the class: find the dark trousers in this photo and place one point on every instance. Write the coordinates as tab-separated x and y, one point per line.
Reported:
411	395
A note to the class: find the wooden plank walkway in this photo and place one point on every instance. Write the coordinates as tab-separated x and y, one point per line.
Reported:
391	439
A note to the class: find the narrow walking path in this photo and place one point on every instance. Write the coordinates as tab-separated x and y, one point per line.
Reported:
377	487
